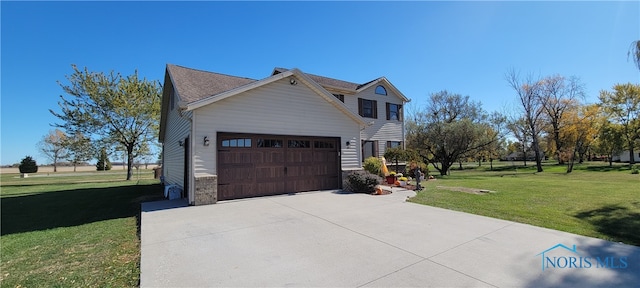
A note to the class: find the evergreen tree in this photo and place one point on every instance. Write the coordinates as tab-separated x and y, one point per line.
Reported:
103	161
28	165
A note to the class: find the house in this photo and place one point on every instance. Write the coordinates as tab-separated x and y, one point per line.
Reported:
625	156
519	156
226	137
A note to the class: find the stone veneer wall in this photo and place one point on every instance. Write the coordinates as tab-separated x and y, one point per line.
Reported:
206	190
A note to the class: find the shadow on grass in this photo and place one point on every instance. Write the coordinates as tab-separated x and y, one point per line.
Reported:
606	168
620	223
41	211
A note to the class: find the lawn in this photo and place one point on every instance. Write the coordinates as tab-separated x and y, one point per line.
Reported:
73	229
594	200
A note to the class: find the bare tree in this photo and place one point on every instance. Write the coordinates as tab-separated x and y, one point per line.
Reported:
528	92
634	52
54	147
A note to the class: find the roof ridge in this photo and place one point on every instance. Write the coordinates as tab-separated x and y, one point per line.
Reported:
210	72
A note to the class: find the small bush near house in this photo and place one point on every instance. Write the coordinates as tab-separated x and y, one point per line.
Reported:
361	182
372	165
28	165
635	170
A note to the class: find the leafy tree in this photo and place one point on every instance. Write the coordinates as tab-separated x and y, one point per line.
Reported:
80	149
103	161
54	147
449	127
117	109
560	94
579	132
623	107
532	109
28	165
610	140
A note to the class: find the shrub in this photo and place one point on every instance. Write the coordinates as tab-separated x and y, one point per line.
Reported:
361	182
635	169
372	165
28	165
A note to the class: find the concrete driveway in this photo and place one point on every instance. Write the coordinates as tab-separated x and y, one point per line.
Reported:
329	239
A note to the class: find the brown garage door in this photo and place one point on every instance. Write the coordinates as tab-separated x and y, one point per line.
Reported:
252	165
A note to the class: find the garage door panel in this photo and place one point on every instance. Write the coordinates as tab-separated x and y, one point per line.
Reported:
266	174
267	156
274	165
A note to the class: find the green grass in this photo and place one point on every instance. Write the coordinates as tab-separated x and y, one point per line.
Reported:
72	229
594	200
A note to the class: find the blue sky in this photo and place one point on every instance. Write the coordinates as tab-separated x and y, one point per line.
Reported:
421	47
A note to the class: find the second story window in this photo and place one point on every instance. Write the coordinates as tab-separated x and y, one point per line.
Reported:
340	97
380	90
368	108
394	112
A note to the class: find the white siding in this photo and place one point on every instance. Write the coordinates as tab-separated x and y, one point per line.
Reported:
382	130
276	108
178	128
625	156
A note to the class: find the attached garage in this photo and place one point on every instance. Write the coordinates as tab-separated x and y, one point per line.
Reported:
226	137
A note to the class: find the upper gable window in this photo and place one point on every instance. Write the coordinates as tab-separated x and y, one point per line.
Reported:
380	90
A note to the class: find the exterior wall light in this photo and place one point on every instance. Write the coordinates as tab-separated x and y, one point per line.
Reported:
206	141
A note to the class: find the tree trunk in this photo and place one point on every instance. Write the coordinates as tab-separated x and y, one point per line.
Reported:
571	162
130	161
632	158
491	163
536	149
556	138
445	168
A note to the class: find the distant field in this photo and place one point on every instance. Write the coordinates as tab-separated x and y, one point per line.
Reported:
49	169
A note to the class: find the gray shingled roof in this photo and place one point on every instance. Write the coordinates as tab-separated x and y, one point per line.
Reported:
193	85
